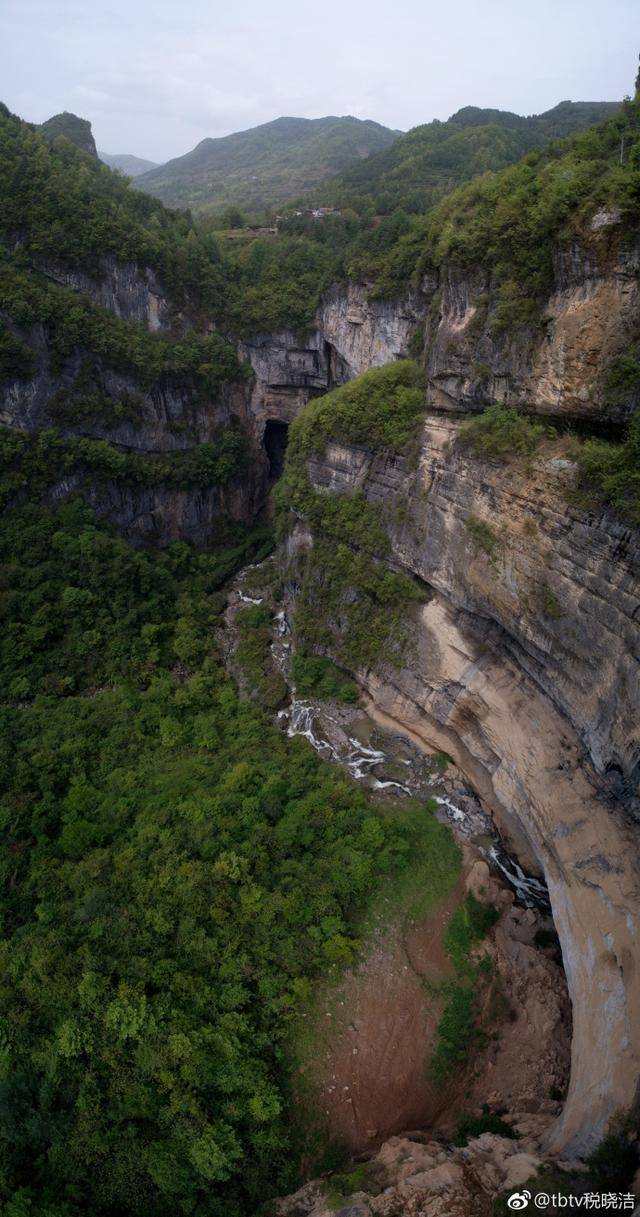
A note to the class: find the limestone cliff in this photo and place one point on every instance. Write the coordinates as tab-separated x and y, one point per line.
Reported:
129	291
166	417
556	365
526	664
352	333
525	668
526	657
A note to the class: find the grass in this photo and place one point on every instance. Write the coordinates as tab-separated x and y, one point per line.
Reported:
549	604
609	474
457	1029
424	874
470	923
482	535
431	868
343	1185
474	1126
441	761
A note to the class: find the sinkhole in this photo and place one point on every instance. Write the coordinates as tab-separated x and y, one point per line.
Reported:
276	435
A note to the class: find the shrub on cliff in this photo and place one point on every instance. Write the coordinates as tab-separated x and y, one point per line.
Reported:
501	431
71	321
350	601
17	361
611	472
379	410
36	461
318	676
457	1028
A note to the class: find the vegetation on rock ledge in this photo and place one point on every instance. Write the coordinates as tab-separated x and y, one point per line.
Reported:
502	431
35	462
610	473
349	601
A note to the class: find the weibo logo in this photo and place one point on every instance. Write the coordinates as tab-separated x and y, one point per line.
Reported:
519	1200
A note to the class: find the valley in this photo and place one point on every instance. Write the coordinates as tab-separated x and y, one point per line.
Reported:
320	654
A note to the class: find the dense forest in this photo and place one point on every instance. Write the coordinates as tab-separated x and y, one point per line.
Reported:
177	873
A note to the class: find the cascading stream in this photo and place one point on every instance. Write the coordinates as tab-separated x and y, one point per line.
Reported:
329	730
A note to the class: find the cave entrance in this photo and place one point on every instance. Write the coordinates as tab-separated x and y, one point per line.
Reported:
276	437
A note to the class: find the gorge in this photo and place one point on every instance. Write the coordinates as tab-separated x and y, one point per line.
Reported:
515	580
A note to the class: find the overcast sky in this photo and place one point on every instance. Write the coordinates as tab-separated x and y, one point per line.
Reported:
156	76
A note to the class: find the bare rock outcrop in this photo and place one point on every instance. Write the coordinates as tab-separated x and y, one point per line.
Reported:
554	364
414	1176
125	289
367	333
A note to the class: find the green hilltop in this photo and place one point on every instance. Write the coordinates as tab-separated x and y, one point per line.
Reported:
434	157
78	130
265	166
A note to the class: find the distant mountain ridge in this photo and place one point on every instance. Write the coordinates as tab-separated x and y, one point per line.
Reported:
435	157
124	162
267	165
339	161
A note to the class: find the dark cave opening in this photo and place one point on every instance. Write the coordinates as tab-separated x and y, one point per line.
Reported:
275	439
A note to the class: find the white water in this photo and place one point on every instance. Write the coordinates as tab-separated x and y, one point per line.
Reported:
529	889
360	761
358	758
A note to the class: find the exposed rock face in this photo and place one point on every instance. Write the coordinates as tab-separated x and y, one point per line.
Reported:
526	667
352	334
76	129
130	291
165	418
413	1176
373	1054
157	515
555	366
526	670
168	417
366	333
288	370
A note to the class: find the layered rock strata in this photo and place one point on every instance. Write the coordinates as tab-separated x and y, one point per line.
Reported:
525	668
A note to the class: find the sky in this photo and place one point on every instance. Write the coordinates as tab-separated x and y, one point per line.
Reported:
156	76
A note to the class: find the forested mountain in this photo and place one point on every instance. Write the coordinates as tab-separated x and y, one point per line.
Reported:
431	159
267	165
131	166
